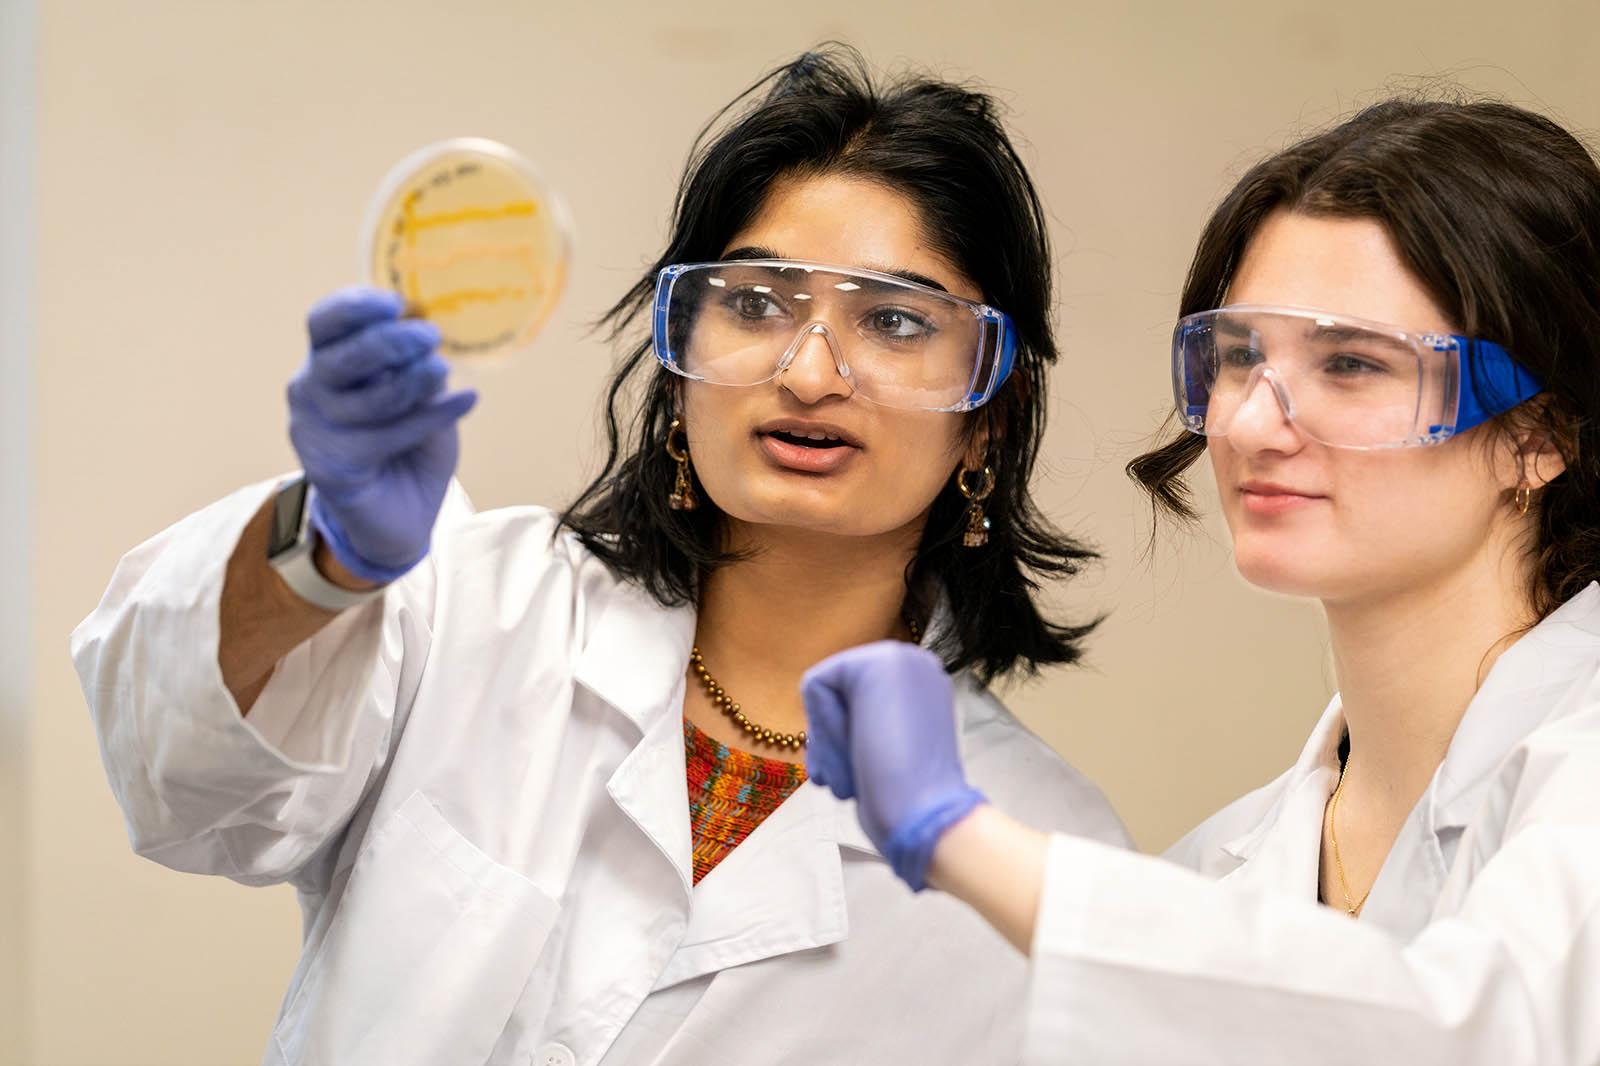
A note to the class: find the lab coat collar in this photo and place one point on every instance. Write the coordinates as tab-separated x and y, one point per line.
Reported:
636	660
780	891
1549	656
1283	851
637	655
1522	688
639	649
846	830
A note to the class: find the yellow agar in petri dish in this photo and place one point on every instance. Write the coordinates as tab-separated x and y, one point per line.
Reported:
467	232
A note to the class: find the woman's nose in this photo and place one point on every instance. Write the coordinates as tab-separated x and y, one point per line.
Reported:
1264	419
815	368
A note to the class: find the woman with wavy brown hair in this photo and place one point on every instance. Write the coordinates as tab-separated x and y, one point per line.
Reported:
1389	348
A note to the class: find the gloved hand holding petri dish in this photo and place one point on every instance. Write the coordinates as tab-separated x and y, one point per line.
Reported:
467	232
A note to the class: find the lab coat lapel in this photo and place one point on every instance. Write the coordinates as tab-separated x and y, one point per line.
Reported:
1522	688
1408	884
1525	683
1282	853
780	891
1531	682
636	660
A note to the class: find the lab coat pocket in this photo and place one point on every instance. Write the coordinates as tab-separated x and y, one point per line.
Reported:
425	960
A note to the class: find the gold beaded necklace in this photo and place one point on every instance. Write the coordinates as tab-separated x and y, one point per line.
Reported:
735	713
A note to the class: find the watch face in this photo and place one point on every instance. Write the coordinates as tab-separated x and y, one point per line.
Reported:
288	508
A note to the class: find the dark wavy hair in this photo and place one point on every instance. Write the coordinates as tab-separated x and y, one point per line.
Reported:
1497	211
942	147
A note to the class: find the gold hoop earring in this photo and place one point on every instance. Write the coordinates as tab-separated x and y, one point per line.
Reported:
682	497
977	534
1524	497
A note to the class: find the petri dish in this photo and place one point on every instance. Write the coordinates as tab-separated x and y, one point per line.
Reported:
468	232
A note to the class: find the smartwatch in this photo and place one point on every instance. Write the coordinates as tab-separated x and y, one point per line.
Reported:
291	546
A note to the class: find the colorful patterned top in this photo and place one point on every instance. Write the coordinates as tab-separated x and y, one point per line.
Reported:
730	793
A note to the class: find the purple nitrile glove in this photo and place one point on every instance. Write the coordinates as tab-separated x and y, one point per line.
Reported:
882	731
375	430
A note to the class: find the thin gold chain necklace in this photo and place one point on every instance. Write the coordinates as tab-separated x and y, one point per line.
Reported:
1353	910
735	713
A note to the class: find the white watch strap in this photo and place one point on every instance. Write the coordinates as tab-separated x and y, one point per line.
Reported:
296	563
299	571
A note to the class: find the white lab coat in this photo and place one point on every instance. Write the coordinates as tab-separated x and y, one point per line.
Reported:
1479	946
477	785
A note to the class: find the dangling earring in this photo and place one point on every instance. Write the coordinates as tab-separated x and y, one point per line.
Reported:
1524	497
682	497
977	534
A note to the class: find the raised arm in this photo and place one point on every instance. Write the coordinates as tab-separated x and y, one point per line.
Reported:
376	434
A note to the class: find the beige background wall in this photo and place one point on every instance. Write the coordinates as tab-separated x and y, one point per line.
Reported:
202	171
18	84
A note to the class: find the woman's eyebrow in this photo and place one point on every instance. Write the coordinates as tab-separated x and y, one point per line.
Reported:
915	278
1338	334
752	251
758	251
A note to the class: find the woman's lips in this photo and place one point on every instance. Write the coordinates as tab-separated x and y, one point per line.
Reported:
1269	500
805	459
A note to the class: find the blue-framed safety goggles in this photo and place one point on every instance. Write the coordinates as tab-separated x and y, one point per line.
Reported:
1345	382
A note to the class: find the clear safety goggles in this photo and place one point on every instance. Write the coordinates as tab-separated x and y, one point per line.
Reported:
895	342
1345	382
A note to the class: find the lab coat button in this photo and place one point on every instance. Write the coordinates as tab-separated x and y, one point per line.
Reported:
554	1055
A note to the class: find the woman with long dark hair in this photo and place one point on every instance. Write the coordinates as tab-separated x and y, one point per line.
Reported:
1389	348
535	775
